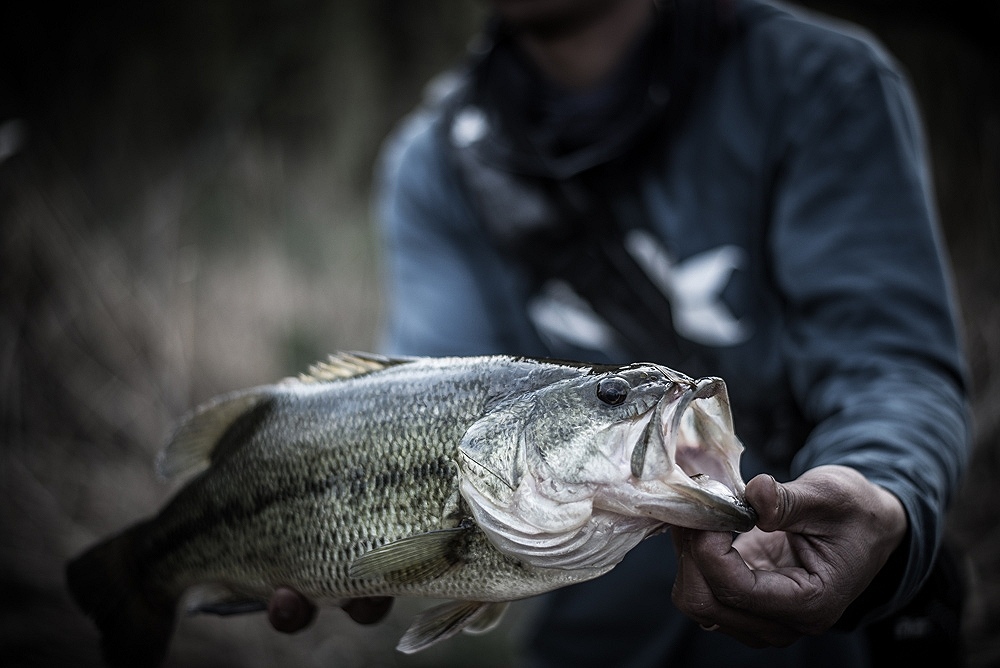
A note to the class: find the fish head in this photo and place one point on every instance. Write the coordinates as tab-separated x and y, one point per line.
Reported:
617	450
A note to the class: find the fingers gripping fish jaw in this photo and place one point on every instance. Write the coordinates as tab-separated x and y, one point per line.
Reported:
621	453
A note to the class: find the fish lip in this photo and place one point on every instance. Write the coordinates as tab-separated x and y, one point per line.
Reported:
748	513
732	508
740	515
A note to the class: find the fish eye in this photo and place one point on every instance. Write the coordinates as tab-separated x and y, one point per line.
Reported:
613	390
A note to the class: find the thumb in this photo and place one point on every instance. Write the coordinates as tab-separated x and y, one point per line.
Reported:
817	496
771	500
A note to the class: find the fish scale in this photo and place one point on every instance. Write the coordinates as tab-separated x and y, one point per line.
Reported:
478	480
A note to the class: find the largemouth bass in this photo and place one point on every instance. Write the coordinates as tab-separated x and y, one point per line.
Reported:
480	480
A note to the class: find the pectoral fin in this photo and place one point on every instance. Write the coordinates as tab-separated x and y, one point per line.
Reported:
444	621
414	559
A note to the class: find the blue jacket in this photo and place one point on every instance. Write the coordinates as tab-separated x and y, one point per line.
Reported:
789	222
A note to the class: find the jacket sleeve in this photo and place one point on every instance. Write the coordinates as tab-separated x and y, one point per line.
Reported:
872	345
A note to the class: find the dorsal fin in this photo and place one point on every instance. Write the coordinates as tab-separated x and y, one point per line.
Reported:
193	445
341	365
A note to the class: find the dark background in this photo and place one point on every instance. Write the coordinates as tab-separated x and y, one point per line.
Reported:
184	211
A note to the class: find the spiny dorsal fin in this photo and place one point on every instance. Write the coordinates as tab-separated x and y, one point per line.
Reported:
445	620
415	558
341	365
192	447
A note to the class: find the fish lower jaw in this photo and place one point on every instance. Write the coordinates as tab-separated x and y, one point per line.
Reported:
696	503
717	508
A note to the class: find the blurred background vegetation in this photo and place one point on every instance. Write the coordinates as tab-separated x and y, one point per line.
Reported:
184	210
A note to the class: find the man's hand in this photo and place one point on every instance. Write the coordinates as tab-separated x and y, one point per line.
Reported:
290	612
819	542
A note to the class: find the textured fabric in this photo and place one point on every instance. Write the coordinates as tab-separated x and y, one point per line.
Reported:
789	218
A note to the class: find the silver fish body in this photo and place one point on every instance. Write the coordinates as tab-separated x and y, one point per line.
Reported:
481	480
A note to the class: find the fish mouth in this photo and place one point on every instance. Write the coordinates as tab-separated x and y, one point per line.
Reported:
690	455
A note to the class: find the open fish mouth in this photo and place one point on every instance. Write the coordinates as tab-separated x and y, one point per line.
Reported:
689	456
